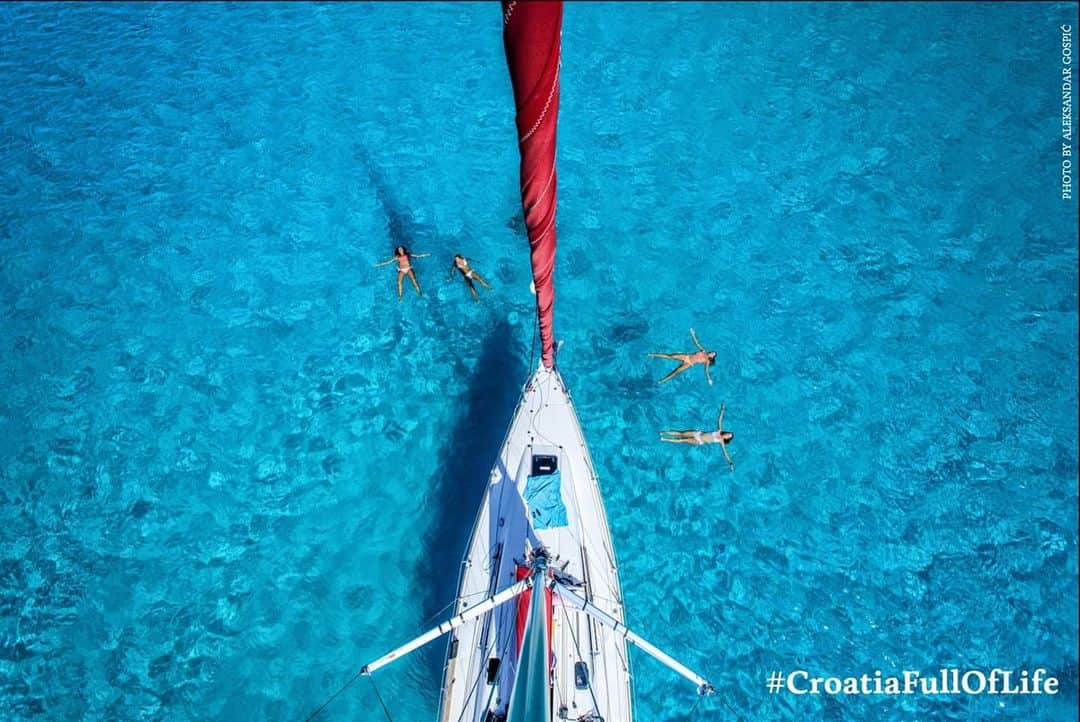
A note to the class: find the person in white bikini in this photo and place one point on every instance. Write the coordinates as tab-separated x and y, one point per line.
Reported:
404	261
699	438
462	264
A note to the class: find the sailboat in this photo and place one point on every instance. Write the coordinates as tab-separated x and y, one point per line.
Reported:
538	632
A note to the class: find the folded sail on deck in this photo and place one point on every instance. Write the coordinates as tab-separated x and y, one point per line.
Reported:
531	698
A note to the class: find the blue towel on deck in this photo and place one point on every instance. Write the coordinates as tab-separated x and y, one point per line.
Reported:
543	494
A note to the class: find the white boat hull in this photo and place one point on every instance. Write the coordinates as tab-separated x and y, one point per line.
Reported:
582	556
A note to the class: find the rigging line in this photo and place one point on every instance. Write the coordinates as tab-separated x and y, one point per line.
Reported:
532	345
476	684
545	394
465	597
384	709
438	613
502	649
506	480
487	702
536	430
508	632
613	602
481	672
570	628
696	703
619	649
322	706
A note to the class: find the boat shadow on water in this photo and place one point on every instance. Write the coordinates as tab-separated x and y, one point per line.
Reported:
472	447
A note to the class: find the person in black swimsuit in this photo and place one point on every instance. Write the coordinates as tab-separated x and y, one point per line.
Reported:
462	264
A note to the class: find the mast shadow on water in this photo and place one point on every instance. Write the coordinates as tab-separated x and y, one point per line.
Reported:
402	229
487	401
400	226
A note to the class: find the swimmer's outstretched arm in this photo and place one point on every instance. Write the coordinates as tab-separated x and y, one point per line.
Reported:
419	255
720	438
384	263
707	376
696	342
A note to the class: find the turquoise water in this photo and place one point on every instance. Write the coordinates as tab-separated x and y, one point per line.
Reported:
233	468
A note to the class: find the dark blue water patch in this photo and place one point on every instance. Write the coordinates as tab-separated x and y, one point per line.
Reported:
332	464
161	666
507	270
318	443
772	558
578	263
628	330
140	509
515	222
350	381
359	596
83	380
395	431
20	701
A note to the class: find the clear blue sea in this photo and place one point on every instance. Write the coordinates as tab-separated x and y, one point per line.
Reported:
233	468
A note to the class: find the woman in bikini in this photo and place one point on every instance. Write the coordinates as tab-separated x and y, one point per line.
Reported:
462	264
698	438
404	261
686	360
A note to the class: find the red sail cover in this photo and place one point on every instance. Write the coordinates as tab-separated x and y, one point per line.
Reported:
523	609
531	35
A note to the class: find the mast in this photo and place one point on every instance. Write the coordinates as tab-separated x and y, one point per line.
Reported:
532	33
531	699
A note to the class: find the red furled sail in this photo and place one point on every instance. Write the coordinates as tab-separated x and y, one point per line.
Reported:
532	33
523	602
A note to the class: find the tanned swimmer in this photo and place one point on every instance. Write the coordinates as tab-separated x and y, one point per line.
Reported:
404	261
461	263
686	360
698	438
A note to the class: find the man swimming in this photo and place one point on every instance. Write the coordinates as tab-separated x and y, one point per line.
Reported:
462	264
698	438
404	258
686	360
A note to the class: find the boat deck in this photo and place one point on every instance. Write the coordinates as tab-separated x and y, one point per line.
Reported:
581	554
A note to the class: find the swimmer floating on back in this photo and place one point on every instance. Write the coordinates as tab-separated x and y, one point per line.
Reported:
462	264
686	360
404	261
697	438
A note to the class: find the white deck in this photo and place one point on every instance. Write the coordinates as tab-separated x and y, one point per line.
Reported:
544	423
